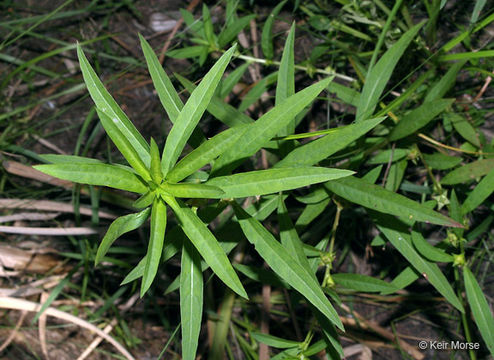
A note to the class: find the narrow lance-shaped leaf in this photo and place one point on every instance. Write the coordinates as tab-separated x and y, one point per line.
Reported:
380	74
168	95
207	245
156	174
446	82
267	36
397	234
428	251
290	239
191	300
468	172
464	128
192	112
145	200
184	190
319	149
376	198
270	181
481	192
285	87
283	264
270	123
362	283
117	177
123	145
418	118
233	30
206	153
155	246
480	308
120	226
108	105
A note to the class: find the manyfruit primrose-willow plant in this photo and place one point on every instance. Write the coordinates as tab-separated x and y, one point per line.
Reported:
160	182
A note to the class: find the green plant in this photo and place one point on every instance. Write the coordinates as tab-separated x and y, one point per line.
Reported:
162	181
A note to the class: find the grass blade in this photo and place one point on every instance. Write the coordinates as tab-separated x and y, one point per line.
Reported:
155	246
207	245
379	75
117	177
376	198
120	226
192	112
168	95
191	300
108	105
480	308
270	181
283	264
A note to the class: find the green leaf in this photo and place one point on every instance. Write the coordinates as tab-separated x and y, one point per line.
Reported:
145	200
186	52
206	153
362	283
231	80
319	149
267	36
480	308
208	26
403	279
114	176
120	226
231	31
274	341
379	75
428	251
222	111
191	300
270	123
64	159
464	128
348	95
269	181
123	145
376	198
285	86
383	157
397	234
156	174
192	112
439	89
290	239
168	95
136	272
481	192
283	264
440	161
468	172
202	191
418	118
155	246
207	245
110	108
